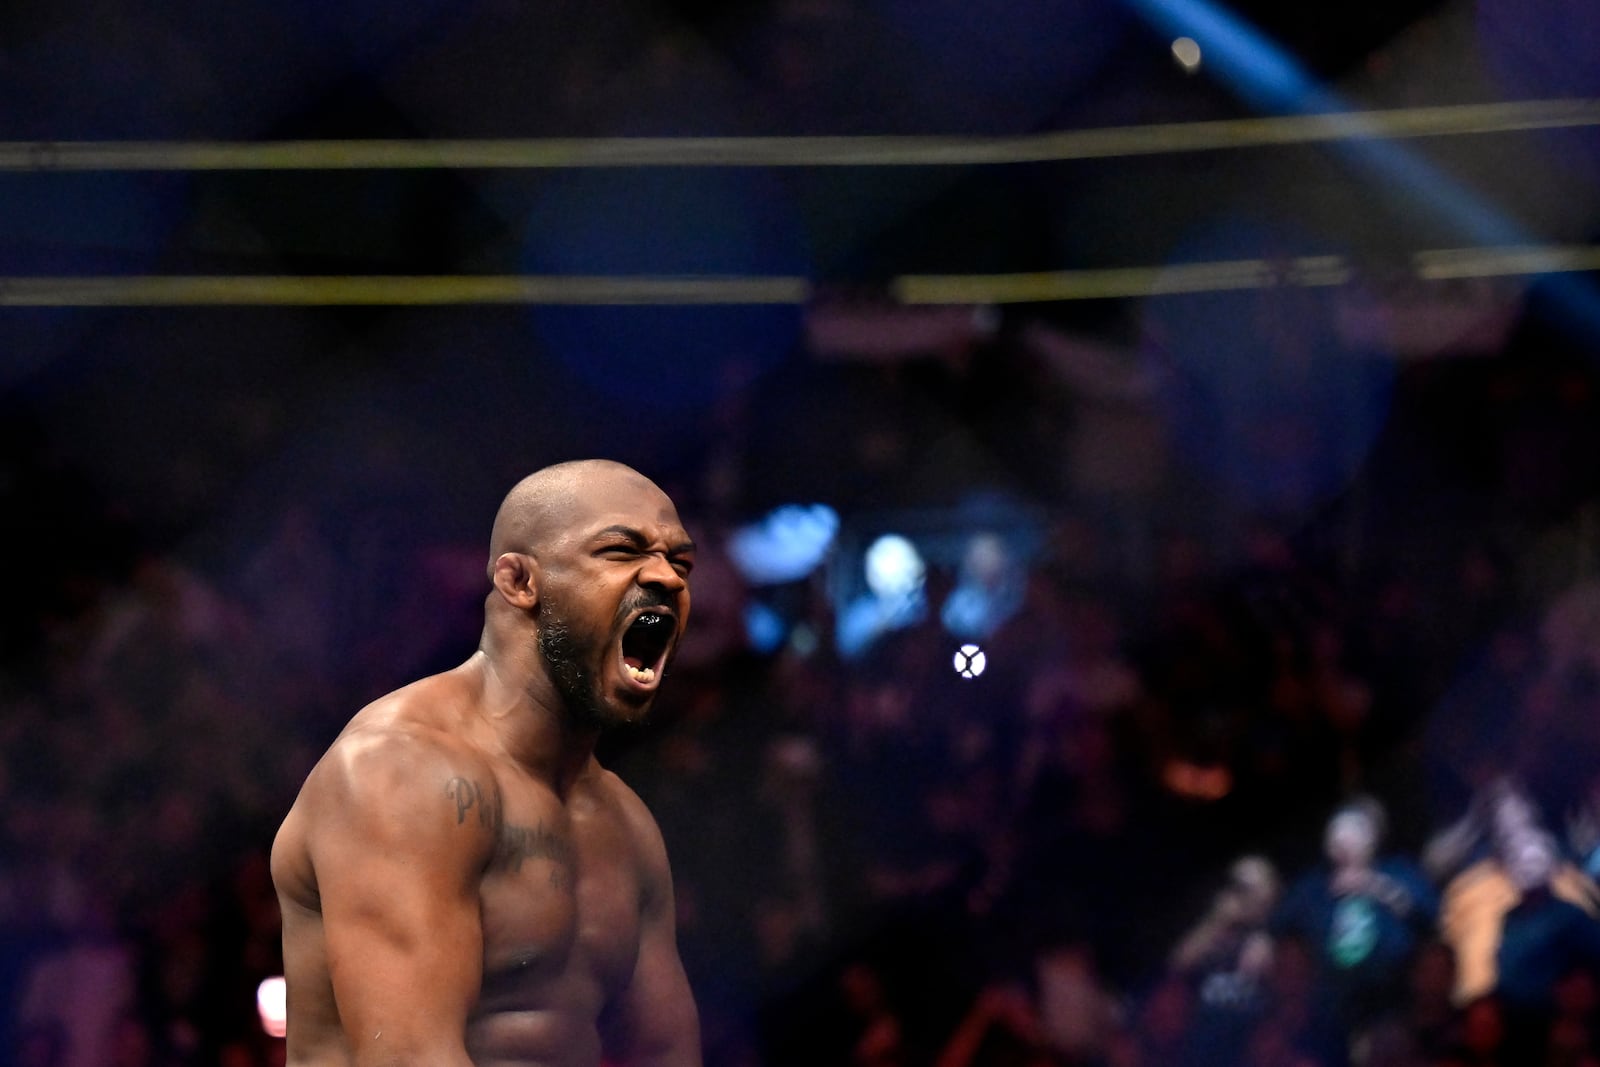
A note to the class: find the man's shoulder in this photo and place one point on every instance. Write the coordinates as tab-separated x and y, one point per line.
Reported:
395	785
407	775
371	753
439	701
379	756
425	719
412	743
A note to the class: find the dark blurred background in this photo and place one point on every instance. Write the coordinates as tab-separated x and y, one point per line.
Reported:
1037	640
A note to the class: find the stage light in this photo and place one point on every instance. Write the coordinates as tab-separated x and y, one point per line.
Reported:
785	545
764	628
1186	50
894	567
894	599
988	590
272	1005
970	661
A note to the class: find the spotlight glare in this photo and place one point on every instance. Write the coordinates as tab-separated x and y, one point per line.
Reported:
970	661
785	545
1186	50
894	567
272	1007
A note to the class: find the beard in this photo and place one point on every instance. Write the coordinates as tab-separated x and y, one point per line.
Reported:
564	655
564	659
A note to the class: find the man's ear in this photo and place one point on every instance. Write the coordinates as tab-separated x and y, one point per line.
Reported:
516	579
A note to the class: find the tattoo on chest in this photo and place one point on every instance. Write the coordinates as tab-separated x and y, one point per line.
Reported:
520	843
514	844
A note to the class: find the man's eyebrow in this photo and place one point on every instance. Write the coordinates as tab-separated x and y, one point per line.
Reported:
638	538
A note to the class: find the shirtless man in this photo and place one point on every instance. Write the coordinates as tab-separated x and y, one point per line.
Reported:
461	882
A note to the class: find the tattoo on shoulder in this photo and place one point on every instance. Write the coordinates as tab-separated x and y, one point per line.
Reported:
468	795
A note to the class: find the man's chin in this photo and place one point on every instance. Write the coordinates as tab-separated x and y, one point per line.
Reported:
628	712
603	714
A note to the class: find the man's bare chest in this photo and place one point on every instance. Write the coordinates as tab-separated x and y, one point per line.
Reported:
560	898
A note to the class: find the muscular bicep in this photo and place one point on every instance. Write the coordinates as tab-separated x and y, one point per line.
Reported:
398	849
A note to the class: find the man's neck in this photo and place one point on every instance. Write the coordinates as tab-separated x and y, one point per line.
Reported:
531	721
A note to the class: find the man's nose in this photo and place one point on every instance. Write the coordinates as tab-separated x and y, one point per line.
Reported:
657	571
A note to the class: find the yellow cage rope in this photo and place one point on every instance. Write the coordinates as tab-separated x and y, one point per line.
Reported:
438	290
532	154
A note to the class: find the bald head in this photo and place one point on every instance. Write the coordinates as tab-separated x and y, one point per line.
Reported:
580	553
542	505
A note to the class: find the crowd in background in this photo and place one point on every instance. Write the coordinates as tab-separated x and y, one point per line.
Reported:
1238	786
1284	753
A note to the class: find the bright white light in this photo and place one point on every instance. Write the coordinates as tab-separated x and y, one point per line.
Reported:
272	1004
894	567
970	661
1186	50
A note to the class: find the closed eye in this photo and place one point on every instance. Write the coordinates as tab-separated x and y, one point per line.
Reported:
629	552
630	544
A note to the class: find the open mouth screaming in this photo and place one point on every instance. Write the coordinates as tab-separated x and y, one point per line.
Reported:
644	646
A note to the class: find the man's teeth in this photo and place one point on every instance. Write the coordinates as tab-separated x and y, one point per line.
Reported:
641	674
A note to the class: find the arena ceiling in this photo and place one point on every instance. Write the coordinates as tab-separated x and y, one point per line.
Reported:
121	208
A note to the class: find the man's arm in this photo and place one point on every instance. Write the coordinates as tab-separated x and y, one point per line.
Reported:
398	852
654	1022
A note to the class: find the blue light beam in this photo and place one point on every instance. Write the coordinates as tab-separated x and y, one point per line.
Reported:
1267	78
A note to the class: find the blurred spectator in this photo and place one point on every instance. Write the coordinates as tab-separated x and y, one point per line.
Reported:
1002	1029
290	585
1364	912
1495	809
1272	1045
1542	940
1084	845
1482	1040
1074	642
1573	1038
878	1035
1158	1033
84	987
893	761
1499	824
1079	1010
809	898
988	590
1583	829
1059	1012
133	1045
1227	956
1472	736
1431	1016
1300	1008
